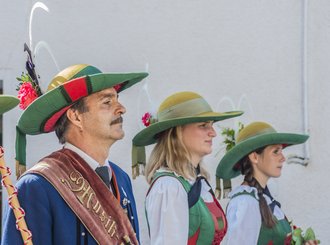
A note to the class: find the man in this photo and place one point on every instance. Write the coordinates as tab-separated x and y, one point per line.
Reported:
67	197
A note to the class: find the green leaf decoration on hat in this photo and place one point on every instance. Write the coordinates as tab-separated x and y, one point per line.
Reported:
229	134
229	141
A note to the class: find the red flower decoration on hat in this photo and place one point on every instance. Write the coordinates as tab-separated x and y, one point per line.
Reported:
118	86
26	95
146	119
28	91
28	87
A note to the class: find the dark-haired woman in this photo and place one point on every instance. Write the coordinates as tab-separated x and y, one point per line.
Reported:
254	217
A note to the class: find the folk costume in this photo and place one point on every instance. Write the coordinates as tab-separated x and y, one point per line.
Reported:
180	210
245	224
203	222
65	200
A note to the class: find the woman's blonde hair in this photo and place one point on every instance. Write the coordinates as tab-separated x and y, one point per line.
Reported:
171	153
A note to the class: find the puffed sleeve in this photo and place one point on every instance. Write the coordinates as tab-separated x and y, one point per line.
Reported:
167	212
244	220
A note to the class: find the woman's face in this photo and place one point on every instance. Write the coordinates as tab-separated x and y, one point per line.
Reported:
269	163
197	137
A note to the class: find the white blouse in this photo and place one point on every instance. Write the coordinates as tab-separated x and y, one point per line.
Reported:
168	212
244	218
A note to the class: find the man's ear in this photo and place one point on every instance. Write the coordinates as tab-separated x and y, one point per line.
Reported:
74	117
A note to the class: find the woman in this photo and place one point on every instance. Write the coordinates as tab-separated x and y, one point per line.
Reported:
254	217
180	204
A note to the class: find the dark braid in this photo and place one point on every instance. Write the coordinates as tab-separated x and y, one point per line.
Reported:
247	171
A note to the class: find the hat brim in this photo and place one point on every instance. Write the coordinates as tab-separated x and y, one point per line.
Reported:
42	114
7	102
148	135
225	169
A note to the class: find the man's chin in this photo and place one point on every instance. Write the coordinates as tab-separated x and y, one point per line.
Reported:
121	136
116	135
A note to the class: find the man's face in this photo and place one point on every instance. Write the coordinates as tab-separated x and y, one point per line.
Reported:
102	121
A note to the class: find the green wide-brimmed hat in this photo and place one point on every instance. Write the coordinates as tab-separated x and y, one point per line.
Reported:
67	87
7	102
178	109
252	137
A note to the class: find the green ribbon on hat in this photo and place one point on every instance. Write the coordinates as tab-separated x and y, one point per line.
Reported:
138	160
226	188
226	185
20	152
188	108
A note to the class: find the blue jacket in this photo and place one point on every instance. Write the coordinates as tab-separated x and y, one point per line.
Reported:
50	219
127	200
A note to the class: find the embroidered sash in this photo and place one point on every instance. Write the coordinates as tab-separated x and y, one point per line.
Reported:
87	196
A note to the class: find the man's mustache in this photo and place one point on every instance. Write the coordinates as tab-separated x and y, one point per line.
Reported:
117	120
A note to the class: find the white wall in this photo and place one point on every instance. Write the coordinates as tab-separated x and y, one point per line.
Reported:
228	51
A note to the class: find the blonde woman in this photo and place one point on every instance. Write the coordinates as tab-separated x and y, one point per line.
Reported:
180	204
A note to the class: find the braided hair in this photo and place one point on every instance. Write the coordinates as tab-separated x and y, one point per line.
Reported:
247	171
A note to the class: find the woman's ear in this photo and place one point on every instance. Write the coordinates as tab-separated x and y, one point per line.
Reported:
253	157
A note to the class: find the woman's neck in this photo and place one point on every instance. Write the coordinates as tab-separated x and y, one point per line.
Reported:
261	179
195	161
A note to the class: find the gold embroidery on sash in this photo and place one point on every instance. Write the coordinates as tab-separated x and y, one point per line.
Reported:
86	196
